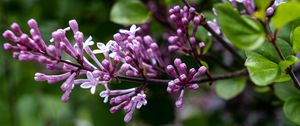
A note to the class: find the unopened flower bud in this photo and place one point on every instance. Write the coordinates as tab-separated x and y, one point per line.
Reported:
73	25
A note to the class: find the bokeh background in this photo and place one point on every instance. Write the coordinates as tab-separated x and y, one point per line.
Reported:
25	102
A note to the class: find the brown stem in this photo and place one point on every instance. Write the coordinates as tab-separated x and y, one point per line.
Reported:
222	41
273	40
215	35
203	80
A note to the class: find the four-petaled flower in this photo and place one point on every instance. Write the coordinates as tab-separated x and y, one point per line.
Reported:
103	48
140	100
105	95
91	83
88	42
132	31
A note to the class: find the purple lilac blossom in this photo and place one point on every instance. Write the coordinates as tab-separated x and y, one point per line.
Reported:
128	53
126	99
184	41
183	79
138	53
33	47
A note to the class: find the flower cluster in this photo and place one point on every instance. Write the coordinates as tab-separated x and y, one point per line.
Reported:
128	99
139	55
183	40
130	53
183	79
34	48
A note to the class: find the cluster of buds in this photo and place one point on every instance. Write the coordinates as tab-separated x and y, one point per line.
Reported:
183	40
140	54
127	99
183	79
34	48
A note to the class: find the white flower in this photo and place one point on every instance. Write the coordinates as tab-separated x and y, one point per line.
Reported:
277	2
140	100
104	94
88	42
103	48
92	83
132	31
240	1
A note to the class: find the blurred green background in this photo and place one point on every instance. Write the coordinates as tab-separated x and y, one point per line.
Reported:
25	102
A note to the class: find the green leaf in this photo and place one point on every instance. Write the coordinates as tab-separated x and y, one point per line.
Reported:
285	90
283	77
244	32
230	88
129	12
291	109
296	39
261	70
261	8
285	13
262	89
268	51
290	60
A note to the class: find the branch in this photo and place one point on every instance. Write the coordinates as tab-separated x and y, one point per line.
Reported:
215	35
242	72
273	40
223	42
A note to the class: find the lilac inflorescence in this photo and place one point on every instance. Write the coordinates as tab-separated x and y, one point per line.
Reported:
33	47
138	53
129	54
183	79
127	99
183	40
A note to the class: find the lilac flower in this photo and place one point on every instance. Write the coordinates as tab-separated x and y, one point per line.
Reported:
132	31
139	52
184	41
183	79
88	50
88	42
92	82
215	26
103	48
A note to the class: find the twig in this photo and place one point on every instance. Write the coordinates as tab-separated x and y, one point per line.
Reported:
203	80
222	41
273	40
215	35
